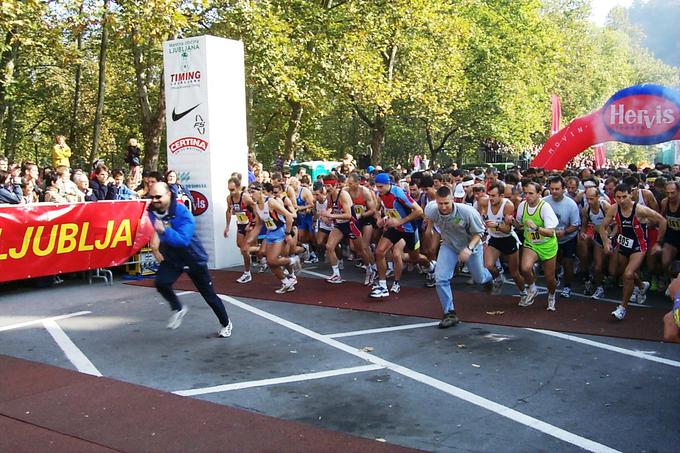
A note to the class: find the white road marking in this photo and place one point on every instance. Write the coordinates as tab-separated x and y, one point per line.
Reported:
584	296
470	397
597	344
75	355
182	293
42	320
281	380
382	329
316	274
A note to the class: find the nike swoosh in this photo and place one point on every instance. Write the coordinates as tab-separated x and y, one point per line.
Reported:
179	116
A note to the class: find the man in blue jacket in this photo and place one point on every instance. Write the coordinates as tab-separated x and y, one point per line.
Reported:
178	249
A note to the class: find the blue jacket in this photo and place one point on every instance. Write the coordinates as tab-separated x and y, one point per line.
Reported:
10	194
179	244
121	193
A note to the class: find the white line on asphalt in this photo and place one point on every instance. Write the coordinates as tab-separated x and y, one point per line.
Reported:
182	293
281	380
382	329
470	397
597	344
75	355
584	296
316	274
40	321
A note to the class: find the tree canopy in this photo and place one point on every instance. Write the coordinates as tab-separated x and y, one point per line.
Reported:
382	79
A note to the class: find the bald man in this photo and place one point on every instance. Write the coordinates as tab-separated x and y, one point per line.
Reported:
178	250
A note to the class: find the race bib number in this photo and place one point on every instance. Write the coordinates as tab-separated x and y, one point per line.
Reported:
590	231
242	218
270	224
392	214
535	236
624	241
359	209
674	223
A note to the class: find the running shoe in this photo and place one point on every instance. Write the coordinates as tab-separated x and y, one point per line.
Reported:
225	332
379	292
396	287
642	293
598	294
497	285
634	296
335	279
245	278
619	313
430	280
566	292
551	302
287	286
523	298
263	265
450	319
531	295
176	317
313	259
295	263
370	276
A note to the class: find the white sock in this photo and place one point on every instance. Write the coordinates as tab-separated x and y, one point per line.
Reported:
246	272
383	283
533	287
390	265
336	270
431	267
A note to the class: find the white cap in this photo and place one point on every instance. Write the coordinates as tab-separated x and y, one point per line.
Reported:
467	183
459	192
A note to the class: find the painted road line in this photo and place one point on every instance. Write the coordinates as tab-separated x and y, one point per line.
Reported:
75	355
458	392
608	347
583	296
281	380
42	320
183	293
316	274
382	329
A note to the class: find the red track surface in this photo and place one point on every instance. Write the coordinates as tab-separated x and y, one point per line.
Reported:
44	408
575	315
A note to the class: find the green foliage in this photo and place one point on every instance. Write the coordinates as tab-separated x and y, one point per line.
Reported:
387	78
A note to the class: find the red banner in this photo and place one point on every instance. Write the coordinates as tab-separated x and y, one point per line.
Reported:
600	156
639	115
48	239
556	114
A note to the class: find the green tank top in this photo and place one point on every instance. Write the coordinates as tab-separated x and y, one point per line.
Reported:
546	245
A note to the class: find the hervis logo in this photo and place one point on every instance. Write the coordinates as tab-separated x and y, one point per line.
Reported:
188	144
643	114
200	203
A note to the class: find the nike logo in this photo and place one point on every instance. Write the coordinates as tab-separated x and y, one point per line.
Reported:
179	116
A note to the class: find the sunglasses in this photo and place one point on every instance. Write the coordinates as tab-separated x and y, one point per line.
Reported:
156	197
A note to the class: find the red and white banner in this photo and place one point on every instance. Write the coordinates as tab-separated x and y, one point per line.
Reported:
556	114
600	156
49	239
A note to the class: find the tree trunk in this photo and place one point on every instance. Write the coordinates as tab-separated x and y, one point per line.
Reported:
7	65
152	122
10	137
102	84
72	136
293	131
377	137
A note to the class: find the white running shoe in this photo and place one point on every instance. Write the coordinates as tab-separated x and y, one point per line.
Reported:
598	294
551	302
523	298
642	293
176	317
370	275
295	263
335	278
396	287
389	273
566	292
531	295
287	285
245	278
619	313
497	285
225	332
379	292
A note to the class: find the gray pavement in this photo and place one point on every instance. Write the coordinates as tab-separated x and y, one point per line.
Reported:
474	387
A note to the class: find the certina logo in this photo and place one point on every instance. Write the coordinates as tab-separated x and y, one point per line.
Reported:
188	144
643	115
185	79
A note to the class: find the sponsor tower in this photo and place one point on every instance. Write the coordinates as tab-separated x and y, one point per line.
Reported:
206	126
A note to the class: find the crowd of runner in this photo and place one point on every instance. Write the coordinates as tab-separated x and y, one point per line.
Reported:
605	228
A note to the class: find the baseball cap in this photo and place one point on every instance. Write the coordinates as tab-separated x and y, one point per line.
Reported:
370	169
459	192
382	178
468	183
